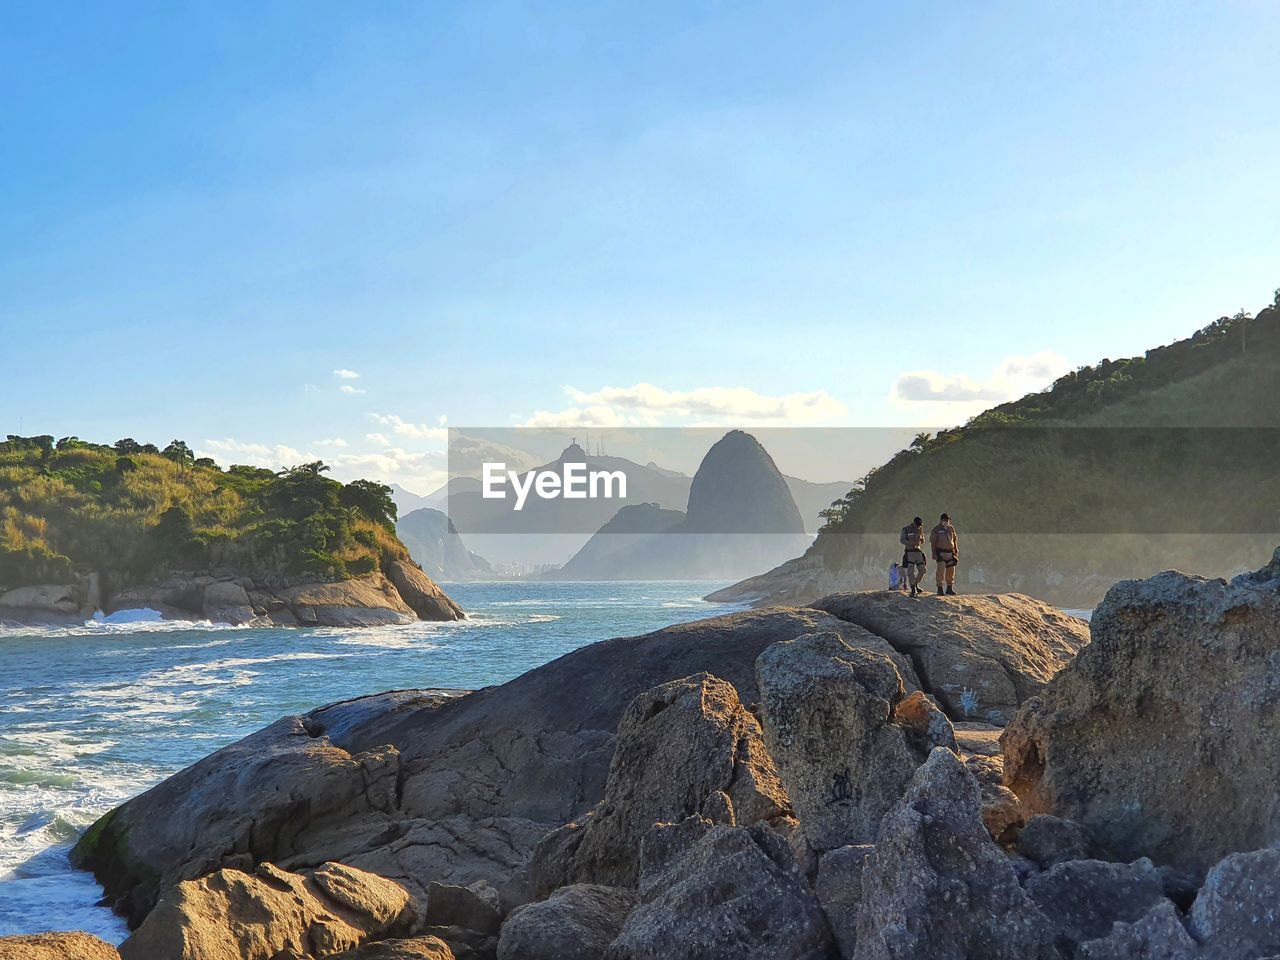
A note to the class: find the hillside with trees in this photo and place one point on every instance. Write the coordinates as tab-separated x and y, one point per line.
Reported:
1119	469
133	512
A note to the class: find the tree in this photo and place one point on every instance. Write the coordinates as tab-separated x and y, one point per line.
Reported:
128	446
179	453
372	499
921	441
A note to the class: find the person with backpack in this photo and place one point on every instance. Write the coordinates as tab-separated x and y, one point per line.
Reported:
946	554
913	562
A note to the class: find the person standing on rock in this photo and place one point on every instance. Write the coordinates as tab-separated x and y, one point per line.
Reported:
946	554
913	562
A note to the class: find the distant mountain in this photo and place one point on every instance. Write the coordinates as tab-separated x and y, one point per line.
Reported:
740	512
812	498
407	501
435	545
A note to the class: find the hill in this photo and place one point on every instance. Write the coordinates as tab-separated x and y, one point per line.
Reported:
131	514
1120	469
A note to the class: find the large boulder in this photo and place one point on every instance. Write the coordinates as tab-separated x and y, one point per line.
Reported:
420	592
687	746
713	892
231	915
937	887
1237	914
577	922
56	946
828	714
981	656
1084	899
470	786
370	601
1162	738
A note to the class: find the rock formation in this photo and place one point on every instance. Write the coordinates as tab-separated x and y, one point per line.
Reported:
56	946
828	715
231	915
577	922
714	892
685	747
421	785
434	543
1162	738
937	887
981	656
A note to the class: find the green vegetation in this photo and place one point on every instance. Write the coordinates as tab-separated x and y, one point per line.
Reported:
133	511
1102	455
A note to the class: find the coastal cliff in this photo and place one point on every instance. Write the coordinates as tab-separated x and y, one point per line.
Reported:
87	527
787	782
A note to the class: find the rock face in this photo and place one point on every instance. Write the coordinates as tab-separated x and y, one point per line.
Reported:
1047	840
577	922
372	600
410	948
421	785
57	946
713	892
46	603
418	590
739	489
1170	717
685	747
937	887
1237	914
981	656
828	715
230	915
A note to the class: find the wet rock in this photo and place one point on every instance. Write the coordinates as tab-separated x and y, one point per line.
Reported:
1162	737
685	747
230	915
1158	935
1047	840
1237	913
577	922
981	656
713	892
937	887
838	888
828	714
1084	898
56	946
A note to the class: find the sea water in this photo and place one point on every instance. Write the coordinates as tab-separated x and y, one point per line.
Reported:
95	714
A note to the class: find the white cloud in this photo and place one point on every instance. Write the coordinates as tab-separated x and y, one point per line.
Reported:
647	405
950	398
349	389
345	374
379	438
416	431
331	442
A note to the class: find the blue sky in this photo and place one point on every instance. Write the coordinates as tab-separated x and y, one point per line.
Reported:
500	213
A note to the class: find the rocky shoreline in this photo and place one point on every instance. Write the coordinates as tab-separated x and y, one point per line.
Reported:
872	777
401	593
